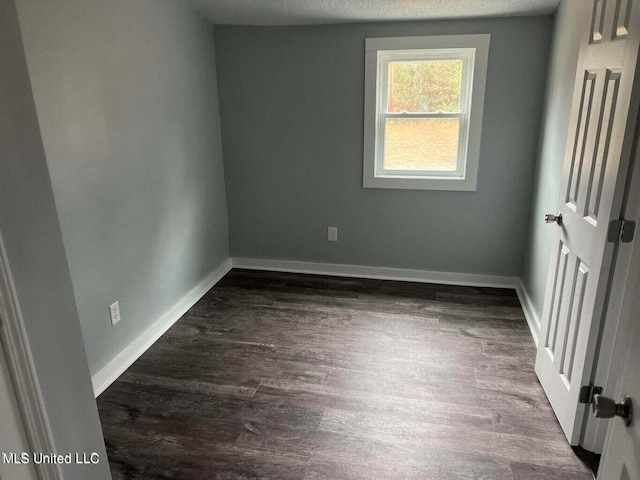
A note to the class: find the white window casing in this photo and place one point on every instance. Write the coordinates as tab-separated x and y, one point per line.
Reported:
473	52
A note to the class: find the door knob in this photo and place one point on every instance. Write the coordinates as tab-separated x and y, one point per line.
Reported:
605	407
551	218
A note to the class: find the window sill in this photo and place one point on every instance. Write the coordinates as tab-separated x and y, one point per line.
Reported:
421	183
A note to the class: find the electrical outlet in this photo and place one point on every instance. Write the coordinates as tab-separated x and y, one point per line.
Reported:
114	311
332	234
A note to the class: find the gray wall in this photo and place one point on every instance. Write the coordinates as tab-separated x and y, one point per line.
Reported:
31	235
562	73
126	98
291	105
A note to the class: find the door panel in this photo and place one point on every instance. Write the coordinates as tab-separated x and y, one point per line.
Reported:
623	17
596	163
582	145
603	144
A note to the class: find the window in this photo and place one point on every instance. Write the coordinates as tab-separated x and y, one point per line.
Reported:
423	111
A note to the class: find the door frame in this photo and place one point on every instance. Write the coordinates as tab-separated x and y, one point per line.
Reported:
20	363
608	362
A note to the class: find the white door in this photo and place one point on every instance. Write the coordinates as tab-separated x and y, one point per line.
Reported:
12	434
595	168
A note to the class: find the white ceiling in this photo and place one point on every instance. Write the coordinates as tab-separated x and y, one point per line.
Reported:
308	12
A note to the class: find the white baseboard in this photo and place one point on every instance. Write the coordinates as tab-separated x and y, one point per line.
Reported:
382	273
529	312
116	367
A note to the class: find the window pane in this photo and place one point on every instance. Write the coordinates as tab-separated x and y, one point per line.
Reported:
421	144
424	86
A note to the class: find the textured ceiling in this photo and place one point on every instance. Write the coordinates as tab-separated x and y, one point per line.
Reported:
307	12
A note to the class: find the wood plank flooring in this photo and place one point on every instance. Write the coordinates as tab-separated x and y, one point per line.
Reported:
286	376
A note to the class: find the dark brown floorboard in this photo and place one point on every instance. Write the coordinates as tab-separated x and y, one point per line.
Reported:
285	376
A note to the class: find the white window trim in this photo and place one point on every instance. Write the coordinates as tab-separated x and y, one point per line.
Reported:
473	47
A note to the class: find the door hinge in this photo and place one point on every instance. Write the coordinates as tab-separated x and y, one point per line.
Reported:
621	231
587	392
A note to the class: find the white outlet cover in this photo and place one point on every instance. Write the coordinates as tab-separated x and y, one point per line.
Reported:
114	312
332	234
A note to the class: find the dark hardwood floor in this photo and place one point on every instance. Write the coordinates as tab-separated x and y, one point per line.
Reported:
285	376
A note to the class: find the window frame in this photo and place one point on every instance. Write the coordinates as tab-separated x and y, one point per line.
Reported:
379	52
